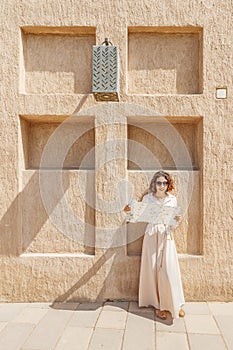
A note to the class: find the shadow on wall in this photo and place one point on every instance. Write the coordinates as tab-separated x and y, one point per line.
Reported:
109	254
27	227
26	217
109	277
12	240
164	63
57	63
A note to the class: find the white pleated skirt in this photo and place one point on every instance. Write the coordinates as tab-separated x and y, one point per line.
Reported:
160	281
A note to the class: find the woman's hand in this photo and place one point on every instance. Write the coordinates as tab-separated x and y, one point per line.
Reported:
127	208
177	218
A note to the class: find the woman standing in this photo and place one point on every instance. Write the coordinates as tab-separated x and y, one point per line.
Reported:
160	282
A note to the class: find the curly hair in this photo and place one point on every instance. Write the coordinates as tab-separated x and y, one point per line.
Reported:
152	187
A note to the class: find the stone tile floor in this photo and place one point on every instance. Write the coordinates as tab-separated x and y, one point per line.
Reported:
114	325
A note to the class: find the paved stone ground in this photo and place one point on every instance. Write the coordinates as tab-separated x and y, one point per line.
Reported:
113	326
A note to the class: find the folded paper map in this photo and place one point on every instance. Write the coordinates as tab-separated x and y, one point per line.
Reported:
152	213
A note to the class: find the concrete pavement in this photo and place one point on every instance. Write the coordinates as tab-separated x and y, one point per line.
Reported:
113	326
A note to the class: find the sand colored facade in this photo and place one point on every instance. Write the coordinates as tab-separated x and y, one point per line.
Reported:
66	159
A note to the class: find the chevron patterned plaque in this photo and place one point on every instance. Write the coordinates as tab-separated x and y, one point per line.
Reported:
105	73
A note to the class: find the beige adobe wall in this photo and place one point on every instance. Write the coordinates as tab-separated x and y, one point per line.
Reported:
166	62
173	56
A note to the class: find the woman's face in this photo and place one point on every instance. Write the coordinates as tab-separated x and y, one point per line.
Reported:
161	185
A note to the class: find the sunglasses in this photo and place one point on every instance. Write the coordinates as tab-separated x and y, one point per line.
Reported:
160	183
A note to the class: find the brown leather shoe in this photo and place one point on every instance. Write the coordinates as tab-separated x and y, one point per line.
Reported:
181	313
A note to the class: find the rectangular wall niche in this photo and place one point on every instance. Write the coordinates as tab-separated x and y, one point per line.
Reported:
56	60
41	233
37	131
164	143
165	60
148	154
59	233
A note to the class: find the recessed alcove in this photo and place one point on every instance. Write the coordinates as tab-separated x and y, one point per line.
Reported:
56	60
173	144
67	147
165	60
71	142
60	221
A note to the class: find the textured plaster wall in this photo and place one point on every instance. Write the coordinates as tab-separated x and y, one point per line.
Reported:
164	63
45	72
48	70
36	132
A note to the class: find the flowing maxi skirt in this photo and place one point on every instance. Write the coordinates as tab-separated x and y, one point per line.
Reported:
160	281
